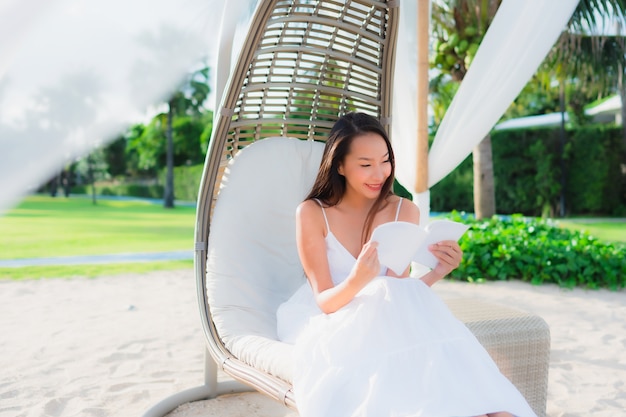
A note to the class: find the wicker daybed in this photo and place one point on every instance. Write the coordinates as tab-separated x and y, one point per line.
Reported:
304	63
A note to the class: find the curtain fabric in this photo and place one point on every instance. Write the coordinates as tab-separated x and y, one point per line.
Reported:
75	74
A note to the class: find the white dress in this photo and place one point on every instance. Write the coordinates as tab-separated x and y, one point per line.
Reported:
394	350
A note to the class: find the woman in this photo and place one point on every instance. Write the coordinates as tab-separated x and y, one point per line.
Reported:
369	342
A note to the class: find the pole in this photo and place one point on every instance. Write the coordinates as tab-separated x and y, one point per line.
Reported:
562	142
423	26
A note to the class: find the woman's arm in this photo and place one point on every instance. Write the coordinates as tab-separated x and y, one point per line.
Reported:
310	230
449	255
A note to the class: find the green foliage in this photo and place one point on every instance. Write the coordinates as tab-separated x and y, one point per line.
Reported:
187	140
186	185
192	93
455	191
538	252
145	146
147	149
527	169
546	179
595	181
539	96
399	189
186	181
114	155
123	190
458	29
442	90
91	270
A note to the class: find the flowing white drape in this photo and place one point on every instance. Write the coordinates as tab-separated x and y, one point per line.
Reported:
516	43
235	22
74	74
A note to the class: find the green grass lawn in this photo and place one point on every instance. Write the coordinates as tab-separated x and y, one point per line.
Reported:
606	231
91	271
43	226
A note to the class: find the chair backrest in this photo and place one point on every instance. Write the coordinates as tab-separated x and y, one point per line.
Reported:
252	263
303	64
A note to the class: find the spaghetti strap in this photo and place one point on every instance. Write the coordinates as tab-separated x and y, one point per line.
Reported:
324	213
397	211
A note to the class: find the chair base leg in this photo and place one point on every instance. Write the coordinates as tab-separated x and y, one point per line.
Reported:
211	389
199	393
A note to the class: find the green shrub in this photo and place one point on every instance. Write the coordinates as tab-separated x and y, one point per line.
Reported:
538	251
456	190
187	182
129	190
527	167
595	182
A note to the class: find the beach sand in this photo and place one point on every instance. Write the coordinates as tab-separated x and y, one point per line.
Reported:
114	346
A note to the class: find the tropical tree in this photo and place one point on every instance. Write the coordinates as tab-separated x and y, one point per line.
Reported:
177	136
186	101
595	62
588	62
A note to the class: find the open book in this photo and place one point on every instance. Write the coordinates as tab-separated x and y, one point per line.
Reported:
399	243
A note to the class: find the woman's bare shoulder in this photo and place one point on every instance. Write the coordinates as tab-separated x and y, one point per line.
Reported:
309	214
409	211
308	208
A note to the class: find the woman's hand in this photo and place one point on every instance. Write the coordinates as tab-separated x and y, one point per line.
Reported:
367	265
449	255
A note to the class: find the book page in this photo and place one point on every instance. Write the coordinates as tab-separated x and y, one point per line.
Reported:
436	231
397	243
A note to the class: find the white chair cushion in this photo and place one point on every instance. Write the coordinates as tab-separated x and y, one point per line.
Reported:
252	263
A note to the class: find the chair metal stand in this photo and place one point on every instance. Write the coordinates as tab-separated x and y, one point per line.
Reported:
211	389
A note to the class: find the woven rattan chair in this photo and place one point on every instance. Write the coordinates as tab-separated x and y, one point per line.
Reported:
304	63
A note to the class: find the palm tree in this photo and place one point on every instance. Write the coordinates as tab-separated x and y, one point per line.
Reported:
595	62
187	100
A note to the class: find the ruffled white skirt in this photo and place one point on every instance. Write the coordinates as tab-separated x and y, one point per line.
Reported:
395	350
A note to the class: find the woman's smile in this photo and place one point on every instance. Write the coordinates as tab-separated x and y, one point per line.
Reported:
374	187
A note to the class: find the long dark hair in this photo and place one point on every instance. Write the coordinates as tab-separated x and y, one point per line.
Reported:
330	186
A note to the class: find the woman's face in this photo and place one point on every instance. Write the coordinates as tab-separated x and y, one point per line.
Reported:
366	167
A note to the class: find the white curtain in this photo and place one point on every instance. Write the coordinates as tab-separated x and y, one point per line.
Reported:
404	110
516	43
235	22
74	74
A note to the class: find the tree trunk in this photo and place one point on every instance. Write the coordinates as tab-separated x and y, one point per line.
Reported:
54	186
622	94
484	190
168	197
92	179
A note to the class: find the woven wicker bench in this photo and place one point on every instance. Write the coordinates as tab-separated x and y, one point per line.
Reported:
518	342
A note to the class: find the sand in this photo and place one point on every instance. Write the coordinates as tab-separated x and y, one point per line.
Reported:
114	346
